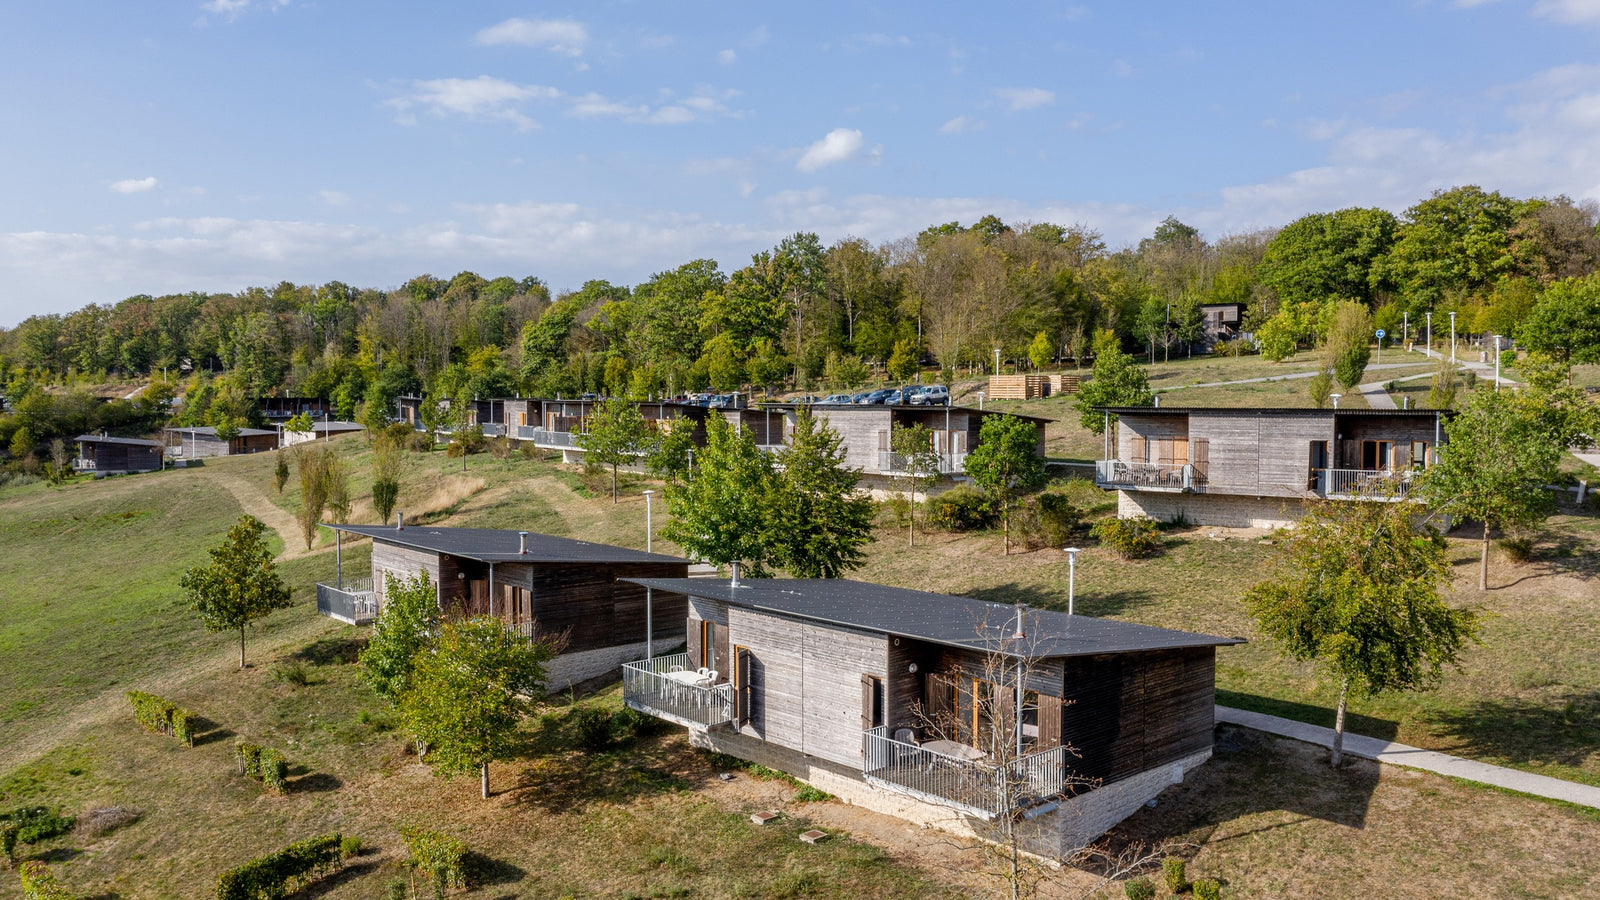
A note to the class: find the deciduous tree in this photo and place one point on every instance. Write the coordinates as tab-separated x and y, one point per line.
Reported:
817	519
239	585
1114	381
1356	590
918	466
720	514
409	618
616	435
1005	464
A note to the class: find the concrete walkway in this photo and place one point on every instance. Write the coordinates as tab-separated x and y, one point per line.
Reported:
1417	758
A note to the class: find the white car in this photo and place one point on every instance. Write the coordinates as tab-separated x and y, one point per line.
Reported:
932	395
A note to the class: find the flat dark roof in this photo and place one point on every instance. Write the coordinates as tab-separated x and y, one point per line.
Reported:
500	545
209	431
102	439
788	404
936	618
1268	411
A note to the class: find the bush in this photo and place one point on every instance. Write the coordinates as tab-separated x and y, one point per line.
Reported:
440	858
295	673
102	820
37	823
1047	520
8	841
419	442
159	715
1133	538
1172	874
1207	889
962	508
630	724
1517	548
1139	889
397	434
276	875
263	763
500	447
39	884
593	727
809	794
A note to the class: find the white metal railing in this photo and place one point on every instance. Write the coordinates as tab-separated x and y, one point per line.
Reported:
974	786
544	437
524	630
523	432
772	448
83	465
355	603
664	688
1366	484
896	463
1117	473
493	429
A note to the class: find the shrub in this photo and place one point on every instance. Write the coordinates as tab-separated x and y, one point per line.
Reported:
1139	889
295	673
593	727
962	508
630	724
1518	548
39	884
159	715
183	725
103	820
8	841
1133	538
248	756
275	875
349	846
809	794
440	858
274	770
1172	874
500	447
1207	889
1048	520
398	434
37	823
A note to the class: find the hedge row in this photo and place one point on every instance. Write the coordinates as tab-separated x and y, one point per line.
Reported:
276	875
39	884
8	841
265	763
157	714
32	825
441	858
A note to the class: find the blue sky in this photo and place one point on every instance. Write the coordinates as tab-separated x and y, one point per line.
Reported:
212	145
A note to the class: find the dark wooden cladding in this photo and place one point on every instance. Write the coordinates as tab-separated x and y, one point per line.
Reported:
1128	713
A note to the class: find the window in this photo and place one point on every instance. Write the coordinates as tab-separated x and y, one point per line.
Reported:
1376	454
1419	454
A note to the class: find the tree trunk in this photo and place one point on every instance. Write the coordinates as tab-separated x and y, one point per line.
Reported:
483	775
1005	529
1483	561
613	483
1338	723
241	648
911	514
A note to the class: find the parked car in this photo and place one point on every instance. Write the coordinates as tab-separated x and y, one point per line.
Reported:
899	396
838	398
932	395
861	397
876	398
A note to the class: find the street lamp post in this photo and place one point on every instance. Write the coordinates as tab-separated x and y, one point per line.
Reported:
980	400
1497	362
1072	575
1430	331
1335	399
648	531
997	360
1452	337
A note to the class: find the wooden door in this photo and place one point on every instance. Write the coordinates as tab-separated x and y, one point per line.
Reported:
1180	451
871	702
740	678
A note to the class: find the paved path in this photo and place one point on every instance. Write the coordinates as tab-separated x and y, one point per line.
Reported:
1179	387
1417	758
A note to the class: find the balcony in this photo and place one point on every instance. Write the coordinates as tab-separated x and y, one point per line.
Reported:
665	687
898	463
976	787
493	429
1114	474
1361	484
354	602
544	437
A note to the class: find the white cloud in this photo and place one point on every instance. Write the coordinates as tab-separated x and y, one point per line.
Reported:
1025	98
483	97
592	105
134	185
334	198
1122	69
960	125
562	36
727	57
703	105
836	146
233	9
1571	11
755	38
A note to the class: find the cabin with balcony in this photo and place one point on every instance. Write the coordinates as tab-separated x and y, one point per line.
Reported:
100	455
945	710
202	442
1260	467
866	431
536	584
280	409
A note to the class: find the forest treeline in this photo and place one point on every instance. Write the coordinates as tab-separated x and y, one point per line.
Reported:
803	314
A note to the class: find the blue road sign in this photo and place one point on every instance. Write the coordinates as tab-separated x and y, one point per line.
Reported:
1380	334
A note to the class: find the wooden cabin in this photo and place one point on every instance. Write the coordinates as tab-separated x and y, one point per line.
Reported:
1220	322
1259	467
278	409
101	455
536	584
906	701
200	442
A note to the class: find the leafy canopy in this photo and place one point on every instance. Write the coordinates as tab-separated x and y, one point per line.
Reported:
720	515
240	584
1116	381
818	520
409	617
1006	463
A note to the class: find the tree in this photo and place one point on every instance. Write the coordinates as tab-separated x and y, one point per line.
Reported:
817	520
1492	468
905	359
280	470
239	585
1114	381
311	463
720	515
409	617
1446	384
918	465
1328	255
1005	464
1356	589
845	370
1348	345
616	435
336	474
469	692
388	464
674	449
1565	322
1455	242
1042	350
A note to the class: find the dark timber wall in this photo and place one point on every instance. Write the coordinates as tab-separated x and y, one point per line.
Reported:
1126	713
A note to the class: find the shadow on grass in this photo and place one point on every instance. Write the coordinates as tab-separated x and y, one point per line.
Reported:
486	870
330	651
1562	731
57	855
1354	722
325	886
1251	773
208	732
1099	603
315	783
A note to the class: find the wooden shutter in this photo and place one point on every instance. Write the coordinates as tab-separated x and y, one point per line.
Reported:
1138	449
696	630
1164	452
740	676
871	716
938	699
1049	722
1200	453
719	647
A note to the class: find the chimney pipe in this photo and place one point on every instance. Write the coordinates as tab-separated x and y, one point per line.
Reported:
522	543
399	521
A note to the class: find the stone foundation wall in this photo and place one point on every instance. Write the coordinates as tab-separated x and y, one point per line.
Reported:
1212	509
1053	835
570	668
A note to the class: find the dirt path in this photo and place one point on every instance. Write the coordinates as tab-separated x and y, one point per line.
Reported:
253	500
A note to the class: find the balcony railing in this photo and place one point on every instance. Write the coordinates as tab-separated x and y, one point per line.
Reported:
974	786
493	429
544	437
665	688
355	603
83	465
1114	473
898	463
1361	484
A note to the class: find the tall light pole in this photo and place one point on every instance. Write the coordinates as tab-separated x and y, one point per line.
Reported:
1072	575
1497	362
997	360
1430	331
648	531
1335	398
1405	328
1452	337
